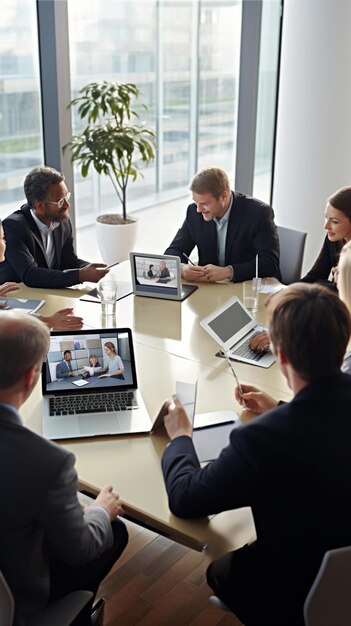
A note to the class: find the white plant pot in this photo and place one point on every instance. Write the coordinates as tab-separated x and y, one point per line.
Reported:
116	240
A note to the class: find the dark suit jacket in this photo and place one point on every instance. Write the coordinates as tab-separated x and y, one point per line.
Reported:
25	259
62	371
327	258
251	231
40	514
293	467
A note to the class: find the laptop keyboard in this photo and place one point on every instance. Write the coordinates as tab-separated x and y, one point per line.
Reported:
93	403
245	351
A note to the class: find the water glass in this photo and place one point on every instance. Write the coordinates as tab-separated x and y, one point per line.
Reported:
107	289
251	292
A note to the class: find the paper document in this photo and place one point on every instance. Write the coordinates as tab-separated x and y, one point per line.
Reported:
20	304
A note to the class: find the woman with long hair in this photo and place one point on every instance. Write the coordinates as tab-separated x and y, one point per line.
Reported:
337	223
114	367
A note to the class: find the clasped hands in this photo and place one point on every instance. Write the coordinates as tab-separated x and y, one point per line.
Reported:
206	273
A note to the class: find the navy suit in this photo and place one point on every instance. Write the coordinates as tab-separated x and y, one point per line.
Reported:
293	467
47	546
63	369
25	254
251	231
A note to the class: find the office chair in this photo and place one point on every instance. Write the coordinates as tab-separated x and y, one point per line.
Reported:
58	613
328	601
292	246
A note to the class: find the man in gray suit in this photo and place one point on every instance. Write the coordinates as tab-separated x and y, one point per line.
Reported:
49	545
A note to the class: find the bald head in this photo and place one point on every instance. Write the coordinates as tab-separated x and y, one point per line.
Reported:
24	342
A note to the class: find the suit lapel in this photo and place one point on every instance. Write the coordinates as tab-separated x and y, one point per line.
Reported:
34	229
58	246
233	226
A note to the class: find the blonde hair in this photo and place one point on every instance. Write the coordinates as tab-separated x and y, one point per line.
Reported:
344	277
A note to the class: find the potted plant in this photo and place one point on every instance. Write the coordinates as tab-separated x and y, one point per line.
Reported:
115	146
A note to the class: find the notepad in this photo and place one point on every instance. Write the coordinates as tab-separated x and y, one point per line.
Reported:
20	304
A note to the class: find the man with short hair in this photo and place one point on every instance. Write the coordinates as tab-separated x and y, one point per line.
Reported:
229	230
291	465
39	238
64	369
49	546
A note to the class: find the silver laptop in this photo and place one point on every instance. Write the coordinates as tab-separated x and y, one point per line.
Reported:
89	385
233	327
158	276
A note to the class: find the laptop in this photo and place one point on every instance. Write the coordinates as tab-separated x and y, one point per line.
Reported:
158	276
79	399
233	327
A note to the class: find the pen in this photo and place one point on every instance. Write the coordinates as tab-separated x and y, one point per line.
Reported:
190	261
235	376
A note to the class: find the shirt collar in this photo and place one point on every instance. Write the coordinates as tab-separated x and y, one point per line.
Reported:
225	218
43	227
12	414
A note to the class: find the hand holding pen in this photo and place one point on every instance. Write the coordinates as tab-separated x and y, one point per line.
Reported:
239	388
192	272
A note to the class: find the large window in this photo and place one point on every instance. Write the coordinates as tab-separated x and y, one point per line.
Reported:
267	94
20	111
184	56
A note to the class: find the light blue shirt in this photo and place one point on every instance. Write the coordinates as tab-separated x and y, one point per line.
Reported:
222	227
47	238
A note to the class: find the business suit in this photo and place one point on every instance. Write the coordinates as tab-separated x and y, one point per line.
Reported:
41	522
63	369
26	260
293	467
251	230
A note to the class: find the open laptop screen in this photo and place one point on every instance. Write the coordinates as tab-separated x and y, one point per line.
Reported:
92	360
155	275
230	321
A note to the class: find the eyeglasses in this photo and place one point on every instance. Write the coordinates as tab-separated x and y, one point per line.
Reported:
60	202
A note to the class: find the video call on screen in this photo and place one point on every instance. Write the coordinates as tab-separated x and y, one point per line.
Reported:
230	322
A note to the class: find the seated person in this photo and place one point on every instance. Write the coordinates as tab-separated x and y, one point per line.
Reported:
40	249
163	272
64	369
150	272
63	318
50	544
337	223
94	366
338	226
114	367
229	230
290	465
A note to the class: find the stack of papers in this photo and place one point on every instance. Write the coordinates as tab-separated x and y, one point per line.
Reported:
19	304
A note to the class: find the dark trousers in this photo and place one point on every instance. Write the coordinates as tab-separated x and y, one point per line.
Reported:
64	578
255	594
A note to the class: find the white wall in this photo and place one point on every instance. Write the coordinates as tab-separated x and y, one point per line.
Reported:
313	150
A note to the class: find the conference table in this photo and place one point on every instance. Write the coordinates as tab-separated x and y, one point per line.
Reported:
170	345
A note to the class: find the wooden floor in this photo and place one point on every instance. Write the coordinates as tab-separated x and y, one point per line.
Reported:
158	582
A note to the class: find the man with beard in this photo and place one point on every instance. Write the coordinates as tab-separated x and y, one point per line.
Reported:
40	249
